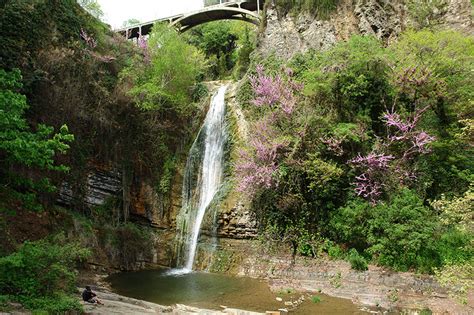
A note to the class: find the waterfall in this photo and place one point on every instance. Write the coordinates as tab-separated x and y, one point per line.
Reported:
202	178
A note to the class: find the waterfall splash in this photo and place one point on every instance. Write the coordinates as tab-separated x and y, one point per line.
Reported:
203	176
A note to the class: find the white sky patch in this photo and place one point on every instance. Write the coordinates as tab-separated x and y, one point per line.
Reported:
116	12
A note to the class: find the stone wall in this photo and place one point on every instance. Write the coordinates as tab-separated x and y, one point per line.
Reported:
385	19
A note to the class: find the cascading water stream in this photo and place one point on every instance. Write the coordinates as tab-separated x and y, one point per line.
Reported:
203	176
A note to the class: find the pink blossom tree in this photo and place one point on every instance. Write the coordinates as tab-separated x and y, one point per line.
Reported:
397	151
258	164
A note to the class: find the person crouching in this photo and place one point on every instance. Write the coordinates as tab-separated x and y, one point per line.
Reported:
90	297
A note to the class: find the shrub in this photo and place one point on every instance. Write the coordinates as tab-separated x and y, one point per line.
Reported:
357	261
457	278
164	76
400	233
315	299
21	146
349	224
41	274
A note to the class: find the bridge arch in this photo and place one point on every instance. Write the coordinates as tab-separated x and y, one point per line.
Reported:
243	10
220	13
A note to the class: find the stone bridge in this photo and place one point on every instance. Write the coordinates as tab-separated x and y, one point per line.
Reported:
248	11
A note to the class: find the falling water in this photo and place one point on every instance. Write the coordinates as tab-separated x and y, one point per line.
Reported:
203	176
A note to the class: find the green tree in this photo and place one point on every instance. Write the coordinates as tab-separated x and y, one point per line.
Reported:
19	145
163	80
41	275
218	42
93	7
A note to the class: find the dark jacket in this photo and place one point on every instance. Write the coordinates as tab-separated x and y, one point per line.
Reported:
87	295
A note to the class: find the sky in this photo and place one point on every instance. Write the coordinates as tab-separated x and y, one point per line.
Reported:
118	11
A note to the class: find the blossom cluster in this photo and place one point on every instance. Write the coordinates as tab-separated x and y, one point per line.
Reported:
143	45
258	165
274	91
377	167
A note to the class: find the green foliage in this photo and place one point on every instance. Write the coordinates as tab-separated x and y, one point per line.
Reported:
22	147
16	140
199	92
323	177
41	274
320	8
334	251
315	299
357	261
164	83
349	225
39	25
93	7
247	46
400	234
449	55
352	79
226	44
458	211
167	176
457	278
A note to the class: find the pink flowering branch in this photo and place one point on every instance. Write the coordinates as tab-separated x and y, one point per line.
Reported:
143	45
274	91
258	166
377	168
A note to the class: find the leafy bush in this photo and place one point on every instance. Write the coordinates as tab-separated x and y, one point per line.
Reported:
41	274
39	24
457	278
162	78
315	299
357	261
20	146
216	39
400	233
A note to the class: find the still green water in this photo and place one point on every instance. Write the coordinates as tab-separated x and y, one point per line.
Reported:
208	290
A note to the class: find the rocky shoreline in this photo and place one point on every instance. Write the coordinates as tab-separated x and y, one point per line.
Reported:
121	305
377	287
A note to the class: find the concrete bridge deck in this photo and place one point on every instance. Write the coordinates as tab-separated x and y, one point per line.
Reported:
247	11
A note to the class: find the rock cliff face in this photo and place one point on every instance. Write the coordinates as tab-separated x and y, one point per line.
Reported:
385	19
138	197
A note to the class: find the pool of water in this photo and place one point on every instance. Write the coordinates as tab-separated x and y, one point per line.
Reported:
208	290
